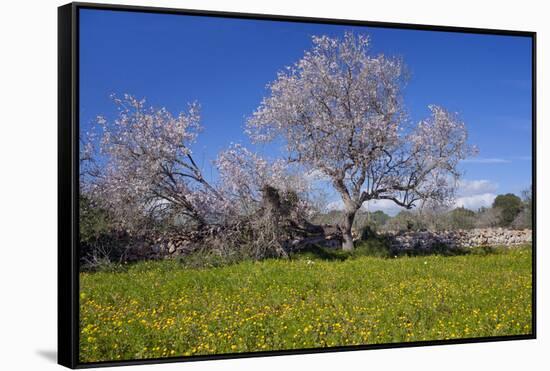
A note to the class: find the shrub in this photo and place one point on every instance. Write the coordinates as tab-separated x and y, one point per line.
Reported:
94	221
375	246
488	218
461	218
510	206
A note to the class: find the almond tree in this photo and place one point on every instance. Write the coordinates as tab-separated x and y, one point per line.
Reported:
245	174
147	168
339	110
266	203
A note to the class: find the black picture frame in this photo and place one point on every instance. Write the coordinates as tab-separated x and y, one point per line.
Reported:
68	180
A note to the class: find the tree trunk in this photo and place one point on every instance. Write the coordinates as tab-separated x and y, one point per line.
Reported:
347	243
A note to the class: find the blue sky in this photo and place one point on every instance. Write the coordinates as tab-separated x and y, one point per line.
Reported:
225	64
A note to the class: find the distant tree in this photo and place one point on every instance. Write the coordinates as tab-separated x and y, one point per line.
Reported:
510	206
432	215
488	218
525	217
461	218
339	110
379	217
368	219
404	221
522	220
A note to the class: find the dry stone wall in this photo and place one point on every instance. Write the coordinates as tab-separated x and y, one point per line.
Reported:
182	244
460	238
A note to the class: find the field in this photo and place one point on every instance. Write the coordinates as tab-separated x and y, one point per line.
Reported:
163	309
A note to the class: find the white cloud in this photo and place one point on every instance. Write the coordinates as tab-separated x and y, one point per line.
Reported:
471	194
475	187
487	161
387	206
474	202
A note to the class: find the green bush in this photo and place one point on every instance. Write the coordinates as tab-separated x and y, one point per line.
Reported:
94	221
510	206
376	246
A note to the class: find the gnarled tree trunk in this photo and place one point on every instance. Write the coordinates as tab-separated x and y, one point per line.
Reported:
349	216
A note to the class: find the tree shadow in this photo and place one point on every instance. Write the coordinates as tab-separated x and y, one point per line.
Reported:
320	252
384	246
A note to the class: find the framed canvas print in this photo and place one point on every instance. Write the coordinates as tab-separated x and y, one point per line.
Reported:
236	185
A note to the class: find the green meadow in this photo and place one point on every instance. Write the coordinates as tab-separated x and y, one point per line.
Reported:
165	308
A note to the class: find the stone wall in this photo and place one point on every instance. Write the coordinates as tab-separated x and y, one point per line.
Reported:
460	238
172	245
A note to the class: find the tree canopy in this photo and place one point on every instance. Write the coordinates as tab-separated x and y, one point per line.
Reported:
510	206
340	110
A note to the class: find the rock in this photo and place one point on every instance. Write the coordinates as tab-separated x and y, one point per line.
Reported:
155	248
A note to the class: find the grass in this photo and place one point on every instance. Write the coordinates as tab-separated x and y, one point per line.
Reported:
163	309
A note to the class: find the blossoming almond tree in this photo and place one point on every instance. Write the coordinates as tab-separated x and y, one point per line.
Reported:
266	203
141	169
339	110
148	171
245	174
